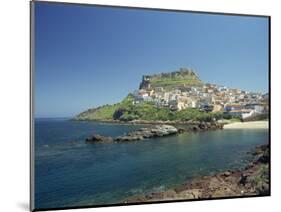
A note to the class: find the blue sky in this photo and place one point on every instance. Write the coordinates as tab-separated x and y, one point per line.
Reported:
89	56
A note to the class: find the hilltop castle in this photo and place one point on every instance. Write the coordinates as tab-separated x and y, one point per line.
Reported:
148	81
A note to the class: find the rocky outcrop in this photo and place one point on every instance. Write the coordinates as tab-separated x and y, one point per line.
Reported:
154	131
98	138
262	153
142	133
253	180
204	126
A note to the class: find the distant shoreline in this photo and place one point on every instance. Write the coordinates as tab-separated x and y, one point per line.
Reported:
235	125
140	122
248	125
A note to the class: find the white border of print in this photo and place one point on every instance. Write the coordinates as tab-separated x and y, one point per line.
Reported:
14	88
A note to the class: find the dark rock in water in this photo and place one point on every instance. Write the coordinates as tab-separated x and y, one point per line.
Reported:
156	131
98	138
203	126
264	158
262	153
195	128
142	133
260	149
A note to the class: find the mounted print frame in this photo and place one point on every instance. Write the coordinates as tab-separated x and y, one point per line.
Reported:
143	105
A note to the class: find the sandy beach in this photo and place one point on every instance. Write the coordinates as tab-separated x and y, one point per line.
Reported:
247	125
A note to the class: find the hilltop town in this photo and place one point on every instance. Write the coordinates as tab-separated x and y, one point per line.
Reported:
181	93
207	97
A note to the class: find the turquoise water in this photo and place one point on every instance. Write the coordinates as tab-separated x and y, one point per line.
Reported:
69	172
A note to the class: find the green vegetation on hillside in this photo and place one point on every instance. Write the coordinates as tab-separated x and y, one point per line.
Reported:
127	111
104	112
149	112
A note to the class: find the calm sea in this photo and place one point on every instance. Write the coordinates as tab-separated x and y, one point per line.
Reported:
69	172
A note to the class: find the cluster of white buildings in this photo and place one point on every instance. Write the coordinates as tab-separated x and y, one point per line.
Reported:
208	97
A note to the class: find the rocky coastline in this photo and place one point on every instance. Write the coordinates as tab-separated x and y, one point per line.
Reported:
142	122
152	132
251	181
